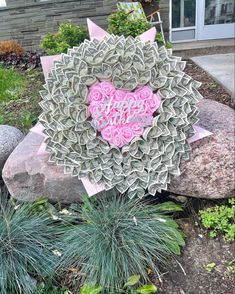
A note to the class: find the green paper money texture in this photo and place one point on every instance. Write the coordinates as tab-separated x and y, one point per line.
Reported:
147	163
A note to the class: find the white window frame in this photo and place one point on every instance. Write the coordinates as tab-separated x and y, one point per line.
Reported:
182	22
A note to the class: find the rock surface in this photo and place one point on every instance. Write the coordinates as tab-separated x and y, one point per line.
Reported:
28	175
211	172
9	139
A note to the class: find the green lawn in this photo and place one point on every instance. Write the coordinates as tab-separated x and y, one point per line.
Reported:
19	97
12	84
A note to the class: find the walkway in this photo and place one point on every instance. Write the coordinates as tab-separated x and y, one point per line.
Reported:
221	68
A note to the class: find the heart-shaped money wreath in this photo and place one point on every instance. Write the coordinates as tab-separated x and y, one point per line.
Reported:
147	162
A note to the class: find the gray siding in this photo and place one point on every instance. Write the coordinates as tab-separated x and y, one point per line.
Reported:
27	21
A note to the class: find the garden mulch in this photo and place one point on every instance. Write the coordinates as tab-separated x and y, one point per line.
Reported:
209	89
189	276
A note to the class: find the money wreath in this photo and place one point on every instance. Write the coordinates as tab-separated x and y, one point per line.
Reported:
129	156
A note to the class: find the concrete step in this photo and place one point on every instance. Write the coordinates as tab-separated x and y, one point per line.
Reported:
205	47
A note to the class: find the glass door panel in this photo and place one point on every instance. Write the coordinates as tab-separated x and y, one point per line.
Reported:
219	12
183	20
216	19
183	13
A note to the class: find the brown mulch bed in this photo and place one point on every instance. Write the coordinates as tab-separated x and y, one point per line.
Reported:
189	275
210	89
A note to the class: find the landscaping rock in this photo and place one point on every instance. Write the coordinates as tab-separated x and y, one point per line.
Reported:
210	171
28	175
9	139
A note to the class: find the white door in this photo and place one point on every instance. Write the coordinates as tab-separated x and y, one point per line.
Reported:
215	19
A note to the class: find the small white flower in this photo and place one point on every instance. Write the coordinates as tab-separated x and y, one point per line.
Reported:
161	220
65	212
57	252
135	220
17	206
55	217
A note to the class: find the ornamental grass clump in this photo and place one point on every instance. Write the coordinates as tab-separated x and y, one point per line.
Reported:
117	238
25	248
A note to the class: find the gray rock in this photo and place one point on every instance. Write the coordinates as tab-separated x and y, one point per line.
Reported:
9	139
28	175
210	172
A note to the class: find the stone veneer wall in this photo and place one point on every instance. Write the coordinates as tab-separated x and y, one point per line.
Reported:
26	21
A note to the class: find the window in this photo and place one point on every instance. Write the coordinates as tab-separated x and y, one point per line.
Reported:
219	11
183	13
3	3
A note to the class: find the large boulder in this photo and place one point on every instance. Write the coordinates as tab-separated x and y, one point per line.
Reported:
9	139
28	175
210	172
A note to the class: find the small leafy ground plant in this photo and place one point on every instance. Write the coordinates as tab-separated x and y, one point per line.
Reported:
19	97
130	287
116	239
220	219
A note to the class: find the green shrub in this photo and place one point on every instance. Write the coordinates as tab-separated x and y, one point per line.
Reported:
118	238
121	24
68	36
220	219
25	247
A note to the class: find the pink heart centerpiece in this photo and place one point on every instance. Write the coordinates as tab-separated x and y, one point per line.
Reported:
121	115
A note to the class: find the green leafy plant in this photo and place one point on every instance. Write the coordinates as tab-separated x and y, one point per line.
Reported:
118	238
68	36
25	247
87	289
231	266
130	287
49	288
27	119
209	267
120	23
220	219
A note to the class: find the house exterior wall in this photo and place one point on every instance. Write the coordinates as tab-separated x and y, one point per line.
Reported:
27	21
